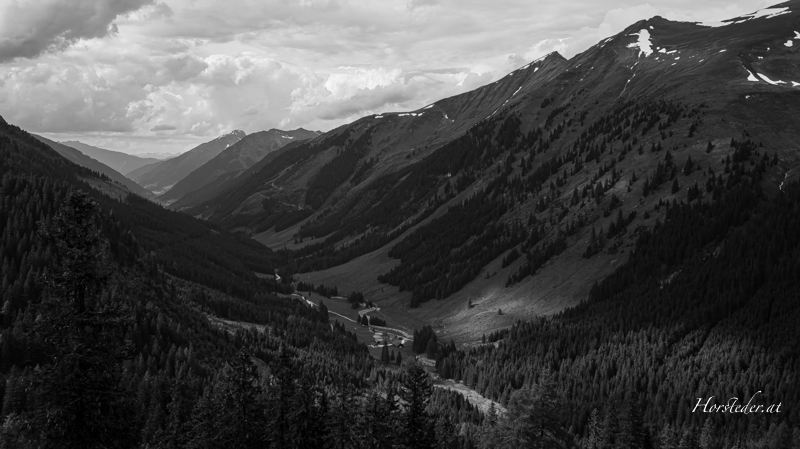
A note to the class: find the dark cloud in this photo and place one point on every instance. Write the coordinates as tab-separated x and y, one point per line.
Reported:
27	32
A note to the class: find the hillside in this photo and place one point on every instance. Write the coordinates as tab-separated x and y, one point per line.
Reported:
121	162
161	176
126	325
83	160
495	194
233	160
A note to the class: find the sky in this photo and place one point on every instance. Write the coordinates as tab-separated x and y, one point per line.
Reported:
163	76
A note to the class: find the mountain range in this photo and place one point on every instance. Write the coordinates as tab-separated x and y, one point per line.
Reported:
121	162
78	157
543	159
160	176
238	157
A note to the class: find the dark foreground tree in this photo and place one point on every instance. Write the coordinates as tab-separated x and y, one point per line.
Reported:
416	393
533	420
79	338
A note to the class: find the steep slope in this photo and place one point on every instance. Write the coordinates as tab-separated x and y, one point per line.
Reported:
523	193
161	176
113	282
238	157
83	160
185	247
121	162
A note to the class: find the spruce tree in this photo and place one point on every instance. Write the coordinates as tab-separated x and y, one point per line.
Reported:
417	422
78	389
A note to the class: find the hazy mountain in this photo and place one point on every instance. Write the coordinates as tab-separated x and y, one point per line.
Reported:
240	156
76	156
473	195
161	176
121	162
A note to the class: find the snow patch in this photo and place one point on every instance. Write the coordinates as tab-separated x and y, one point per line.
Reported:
536	70
644	44
672	52
774	83
677	58
378	116
428	106
520	87
723	50
797	34
789	43
752	77
766	13
795	84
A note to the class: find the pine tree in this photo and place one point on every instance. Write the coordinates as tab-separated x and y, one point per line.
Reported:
707	437
203	425
282	391
533	418
688	167
417	423
595	431
432	349
385	354
80	390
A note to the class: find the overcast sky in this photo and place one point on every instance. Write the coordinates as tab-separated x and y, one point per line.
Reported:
164	76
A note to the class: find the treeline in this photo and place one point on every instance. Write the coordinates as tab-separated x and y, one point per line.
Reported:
436	261
321	289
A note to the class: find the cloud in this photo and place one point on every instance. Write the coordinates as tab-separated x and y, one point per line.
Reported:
27	30
180	73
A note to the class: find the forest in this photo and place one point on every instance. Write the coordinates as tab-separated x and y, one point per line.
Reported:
104	344
705	307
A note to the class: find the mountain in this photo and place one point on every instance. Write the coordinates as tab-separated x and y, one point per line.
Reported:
238	157
121	162
526	191
83	160
161	176
95	283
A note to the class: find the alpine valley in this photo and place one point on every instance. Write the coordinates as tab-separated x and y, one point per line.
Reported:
588	252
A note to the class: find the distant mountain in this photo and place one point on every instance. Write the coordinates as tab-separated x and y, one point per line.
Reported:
156	156
239	157
161	176
121	162
83	160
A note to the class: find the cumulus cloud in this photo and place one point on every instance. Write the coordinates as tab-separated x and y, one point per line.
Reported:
180	73
29	28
